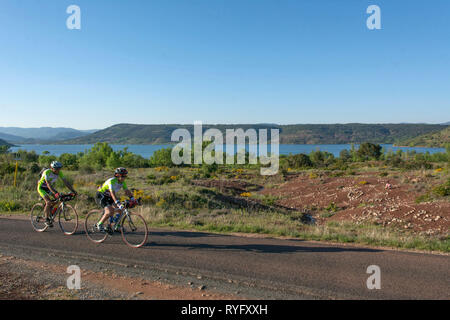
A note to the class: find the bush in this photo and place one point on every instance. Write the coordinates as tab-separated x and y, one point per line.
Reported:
321	158
4	149
162	157
27	156
35	168
96	156
332	207
9	167
443	190
298	161
9	206
368	151
69	161
345	155
45	160
208	169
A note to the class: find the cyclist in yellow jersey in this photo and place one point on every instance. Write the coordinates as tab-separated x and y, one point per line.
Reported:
46	187
106	195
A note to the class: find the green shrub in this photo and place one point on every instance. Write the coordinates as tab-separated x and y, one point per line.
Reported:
368	151
9	206
443	190
35	168
332	207
298	161
45	160
162	157
424	198
69	161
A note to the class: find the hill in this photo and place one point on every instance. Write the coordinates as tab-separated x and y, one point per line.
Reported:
40	135
149	134
10	137
289	134
4	143
437	139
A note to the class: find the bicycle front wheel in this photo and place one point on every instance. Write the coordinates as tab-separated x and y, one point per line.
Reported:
37	217
93	234
68	219
134	230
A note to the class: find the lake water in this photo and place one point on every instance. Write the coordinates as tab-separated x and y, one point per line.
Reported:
147	150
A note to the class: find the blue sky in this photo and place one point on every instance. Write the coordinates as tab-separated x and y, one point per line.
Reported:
223	61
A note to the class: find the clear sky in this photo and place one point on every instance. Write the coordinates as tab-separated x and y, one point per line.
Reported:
223	61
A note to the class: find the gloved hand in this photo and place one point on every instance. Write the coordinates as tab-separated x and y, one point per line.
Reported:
57	195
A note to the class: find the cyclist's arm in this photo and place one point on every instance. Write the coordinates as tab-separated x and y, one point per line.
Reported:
54	191
68	185
113	195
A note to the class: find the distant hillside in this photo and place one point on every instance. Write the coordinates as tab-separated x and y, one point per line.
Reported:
433	140
4	143
10	137
40	135
149	134
289	134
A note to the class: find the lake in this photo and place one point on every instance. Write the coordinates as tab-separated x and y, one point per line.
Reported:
147	150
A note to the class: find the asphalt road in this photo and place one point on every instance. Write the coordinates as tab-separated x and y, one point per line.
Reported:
272	268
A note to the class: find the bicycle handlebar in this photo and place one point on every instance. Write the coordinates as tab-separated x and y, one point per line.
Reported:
65	197
131	204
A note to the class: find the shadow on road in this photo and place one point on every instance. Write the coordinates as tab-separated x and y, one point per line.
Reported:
186	234
258	248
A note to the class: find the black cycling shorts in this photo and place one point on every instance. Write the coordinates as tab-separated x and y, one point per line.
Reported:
103	199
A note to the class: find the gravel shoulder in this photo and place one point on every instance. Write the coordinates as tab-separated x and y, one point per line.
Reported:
35	280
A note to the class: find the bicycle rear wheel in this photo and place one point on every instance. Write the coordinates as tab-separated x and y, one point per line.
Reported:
92	233
37	217
134	230
68	219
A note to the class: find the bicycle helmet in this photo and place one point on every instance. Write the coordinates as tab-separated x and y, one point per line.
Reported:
121	171
56	165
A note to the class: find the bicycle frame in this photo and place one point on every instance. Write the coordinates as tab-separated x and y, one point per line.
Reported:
123	213
60	205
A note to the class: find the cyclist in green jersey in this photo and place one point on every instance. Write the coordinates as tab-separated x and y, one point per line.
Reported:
46	187
106	196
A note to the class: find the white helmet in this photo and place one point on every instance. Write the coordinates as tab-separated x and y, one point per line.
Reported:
56	165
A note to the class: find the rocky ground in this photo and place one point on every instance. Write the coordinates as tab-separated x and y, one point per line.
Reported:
364	197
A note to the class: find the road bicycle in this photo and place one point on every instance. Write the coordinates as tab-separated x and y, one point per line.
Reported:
67	215
131	225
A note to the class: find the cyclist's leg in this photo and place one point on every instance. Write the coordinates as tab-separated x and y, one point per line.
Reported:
109	211
107	203
48	202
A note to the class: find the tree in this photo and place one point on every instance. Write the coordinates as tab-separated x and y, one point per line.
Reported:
113	161
97	155
345	155
69	161
368	151
299	161
161	157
